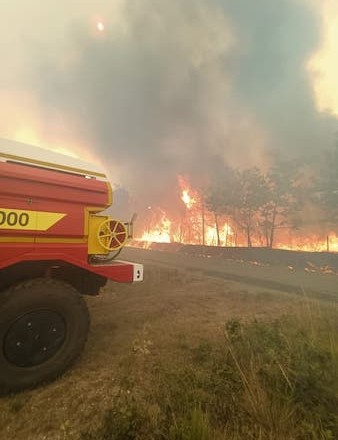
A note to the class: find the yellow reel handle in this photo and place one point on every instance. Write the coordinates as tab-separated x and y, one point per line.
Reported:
112	234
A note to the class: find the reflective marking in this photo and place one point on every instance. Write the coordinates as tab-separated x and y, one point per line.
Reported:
28	220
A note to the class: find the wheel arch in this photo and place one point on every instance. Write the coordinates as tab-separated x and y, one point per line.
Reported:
84	281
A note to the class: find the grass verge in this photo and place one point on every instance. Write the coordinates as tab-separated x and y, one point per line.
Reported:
266	380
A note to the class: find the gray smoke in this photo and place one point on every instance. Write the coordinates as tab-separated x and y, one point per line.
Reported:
172	86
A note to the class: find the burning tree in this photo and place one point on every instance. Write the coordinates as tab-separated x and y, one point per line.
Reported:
239	194
220	198
252	196
258	203
282	200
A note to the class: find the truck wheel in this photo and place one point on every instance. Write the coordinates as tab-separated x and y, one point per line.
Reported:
43	328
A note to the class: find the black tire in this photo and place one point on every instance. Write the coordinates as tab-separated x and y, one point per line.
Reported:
44	325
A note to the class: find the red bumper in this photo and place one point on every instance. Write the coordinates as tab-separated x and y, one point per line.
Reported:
119	271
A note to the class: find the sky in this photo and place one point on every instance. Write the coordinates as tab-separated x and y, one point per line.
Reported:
152	89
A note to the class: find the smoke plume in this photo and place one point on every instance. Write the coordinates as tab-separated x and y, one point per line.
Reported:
169	87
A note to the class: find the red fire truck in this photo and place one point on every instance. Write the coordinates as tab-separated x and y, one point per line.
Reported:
54	248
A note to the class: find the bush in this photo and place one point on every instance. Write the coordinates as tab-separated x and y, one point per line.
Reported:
289	379
124	421
194	427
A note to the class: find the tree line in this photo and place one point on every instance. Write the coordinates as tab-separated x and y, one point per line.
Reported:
290	194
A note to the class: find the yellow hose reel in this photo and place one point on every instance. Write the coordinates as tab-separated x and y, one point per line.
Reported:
112	234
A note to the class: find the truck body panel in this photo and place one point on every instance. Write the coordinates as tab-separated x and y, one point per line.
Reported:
48	212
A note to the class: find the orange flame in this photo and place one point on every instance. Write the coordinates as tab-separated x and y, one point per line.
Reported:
188	201
190	227
160	232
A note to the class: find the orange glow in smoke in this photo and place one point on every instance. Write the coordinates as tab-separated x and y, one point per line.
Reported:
100	26
323	65
28	135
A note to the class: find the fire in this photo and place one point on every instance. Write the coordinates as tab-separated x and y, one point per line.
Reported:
156	236
188	201
312	243
160	233
332	243
189	196
194	224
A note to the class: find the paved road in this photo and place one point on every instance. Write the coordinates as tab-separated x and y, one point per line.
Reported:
281	278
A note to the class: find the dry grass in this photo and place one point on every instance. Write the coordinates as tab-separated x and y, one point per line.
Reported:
136	330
